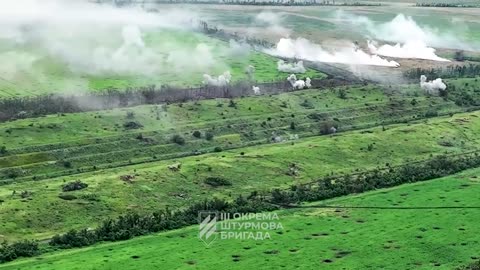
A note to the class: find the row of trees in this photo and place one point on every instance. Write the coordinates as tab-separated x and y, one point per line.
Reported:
450	5
19	108
453	71
132	225
272	3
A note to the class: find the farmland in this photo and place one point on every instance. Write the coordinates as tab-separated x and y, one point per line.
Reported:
155	186
122	125
317	237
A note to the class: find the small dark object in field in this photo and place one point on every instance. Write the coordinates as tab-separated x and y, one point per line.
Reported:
217	181
72	186
327	261
67	197
135	257
132	125
178	139
271	252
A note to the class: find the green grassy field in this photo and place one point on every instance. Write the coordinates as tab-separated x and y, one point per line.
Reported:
379	237
258	168
44	74
39	148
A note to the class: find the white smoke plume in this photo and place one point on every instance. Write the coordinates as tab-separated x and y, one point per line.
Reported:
403	29
222	80
256	90
299	84
250	71
411	49
432	87
88	37
271	23
301	48
291	67
239	49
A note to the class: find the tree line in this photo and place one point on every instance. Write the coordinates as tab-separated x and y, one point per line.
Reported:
452	71
134	224
27	107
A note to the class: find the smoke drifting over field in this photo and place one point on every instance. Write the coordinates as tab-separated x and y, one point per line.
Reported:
291	67
301	48
271	23
404	29
90	38
222	80
413	49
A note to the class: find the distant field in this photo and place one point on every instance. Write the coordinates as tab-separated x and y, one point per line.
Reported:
49	75
321	23
375	238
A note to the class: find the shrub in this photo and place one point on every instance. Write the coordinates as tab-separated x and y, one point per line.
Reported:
178	139
209	135
72	186
328	127
132	125
130	115
217	149
13	251
197	134
3	150
217	181
67	164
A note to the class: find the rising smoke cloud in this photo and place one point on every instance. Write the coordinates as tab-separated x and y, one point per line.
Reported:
256	90
404	29
299	84
411	49
432	87
291	67
89	38
301	48
222	80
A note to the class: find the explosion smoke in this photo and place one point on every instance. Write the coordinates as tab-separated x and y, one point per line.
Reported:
291	67
299	84
301	48
411	49
222	80
432	87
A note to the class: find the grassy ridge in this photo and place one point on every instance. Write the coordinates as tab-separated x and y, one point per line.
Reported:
316	237
258	168
40	148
